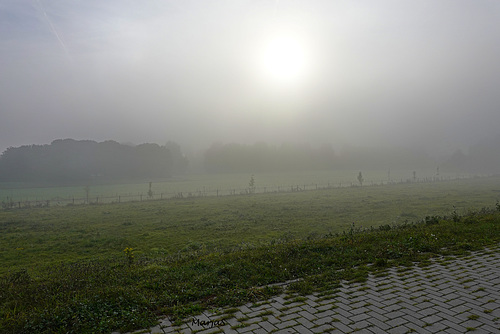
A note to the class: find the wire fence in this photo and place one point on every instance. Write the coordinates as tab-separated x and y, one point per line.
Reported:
90	199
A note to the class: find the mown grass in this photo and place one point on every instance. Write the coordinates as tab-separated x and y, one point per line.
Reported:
101	288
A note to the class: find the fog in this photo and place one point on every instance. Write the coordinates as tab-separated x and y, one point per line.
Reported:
420	74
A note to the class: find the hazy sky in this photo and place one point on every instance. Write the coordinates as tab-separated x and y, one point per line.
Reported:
366	72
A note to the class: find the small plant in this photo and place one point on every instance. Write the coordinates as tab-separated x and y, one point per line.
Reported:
129	254
433	220
381	263
385	227
454	215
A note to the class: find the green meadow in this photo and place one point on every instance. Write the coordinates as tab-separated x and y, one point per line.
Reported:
99	268
195	185
32	238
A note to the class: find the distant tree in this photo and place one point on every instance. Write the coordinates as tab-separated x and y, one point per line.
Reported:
251	185
414	176
150	191
79	161
87	191
360	179
179	160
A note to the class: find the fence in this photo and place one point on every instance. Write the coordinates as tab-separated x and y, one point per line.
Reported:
9	203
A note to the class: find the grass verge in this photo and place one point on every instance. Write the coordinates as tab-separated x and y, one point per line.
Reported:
131	292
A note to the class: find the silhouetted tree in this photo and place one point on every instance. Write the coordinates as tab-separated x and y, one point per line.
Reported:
360	179
251	185
150	191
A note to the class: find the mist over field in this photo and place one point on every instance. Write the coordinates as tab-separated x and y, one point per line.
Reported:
415	81
166	158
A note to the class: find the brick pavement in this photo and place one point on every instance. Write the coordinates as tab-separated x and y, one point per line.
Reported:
451	295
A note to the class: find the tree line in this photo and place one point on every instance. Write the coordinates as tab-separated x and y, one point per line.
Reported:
483	157
80	161
262	157
66	161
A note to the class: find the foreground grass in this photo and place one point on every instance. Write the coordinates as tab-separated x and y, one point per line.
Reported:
131	291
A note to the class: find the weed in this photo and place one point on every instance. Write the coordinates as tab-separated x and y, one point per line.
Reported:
264	313
381	263
129	254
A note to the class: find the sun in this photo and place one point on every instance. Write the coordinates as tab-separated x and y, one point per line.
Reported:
284	60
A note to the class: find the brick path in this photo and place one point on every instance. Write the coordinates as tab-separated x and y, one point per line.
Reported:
451	295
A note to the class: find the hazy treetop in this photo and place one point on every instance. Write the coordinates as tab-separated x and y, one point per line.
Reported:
412	73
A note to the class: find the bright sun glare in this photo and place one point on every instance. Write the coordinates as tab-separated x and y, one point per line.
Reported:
284	61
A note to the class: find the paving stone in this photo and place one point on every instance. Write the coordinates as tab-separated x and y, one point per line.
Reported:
289	317
288	323
301	329
323	328
306	315
437	298
398	330
304	322
378	324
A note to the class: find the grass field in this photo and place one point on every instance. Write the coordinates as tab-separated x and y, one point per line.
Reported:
187	254
203	184
33	237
